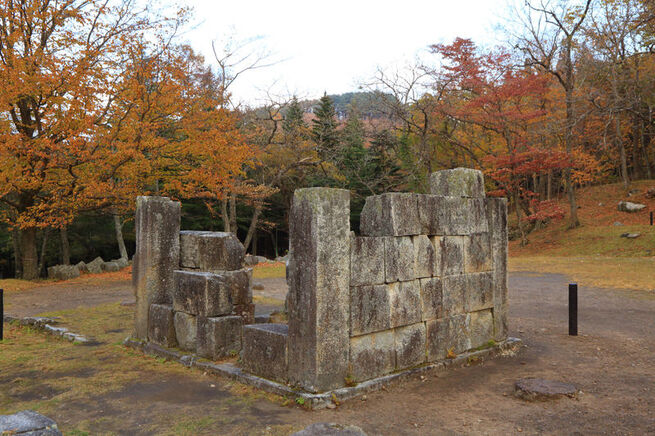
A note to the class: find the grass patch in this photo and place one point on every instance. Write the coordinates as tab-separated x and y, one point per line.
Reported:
267	301
605	272
269	270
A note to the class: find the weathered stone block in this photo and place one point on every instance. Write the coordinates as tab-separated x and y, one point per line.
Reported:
366	261
239	284
246	312
447	334
390	214
497	217
454	294
410	345
201	293
211	251
500	322
427	259
431	298
265	350
477	254
372	355
452	255
319	288
157	226
458	182
161	327
479	294
186	330
405	300
95	266
461	216
82	267
63	272
219	336
399	259
30	423
111	266
370	309
433	214
478	216
481	327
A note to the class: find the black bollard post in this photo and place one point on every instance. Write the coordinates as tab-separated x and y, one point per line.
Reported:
2	313
573	309
651	217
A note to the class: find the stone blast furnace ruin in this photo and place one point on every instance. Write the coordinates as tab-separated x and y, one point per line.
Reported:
424	286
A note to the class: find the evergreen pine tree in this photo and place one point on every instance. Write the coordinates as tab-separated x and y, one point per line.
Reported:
324	128
293	121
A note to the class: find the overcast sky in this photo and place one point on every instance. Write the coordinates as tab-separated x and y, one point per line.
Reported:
333	45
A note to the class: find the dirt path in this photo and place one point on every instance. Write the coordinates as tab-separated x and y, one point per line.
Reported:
611	361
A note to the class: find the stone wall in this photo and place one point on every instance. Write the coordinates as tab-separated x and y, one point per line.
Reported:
192	290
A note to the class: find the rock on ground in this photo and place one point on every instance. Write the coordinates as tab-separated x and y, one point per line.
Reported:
330	429
536	389
626	206
63	272
28	422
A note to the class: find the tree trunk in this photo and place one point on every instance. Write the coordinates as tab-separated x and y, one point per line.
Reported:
622	154
517	208
253	225
549	185
44	243
15	238
568	142
65	246
233	213
224	216
642	145
29	258
118	226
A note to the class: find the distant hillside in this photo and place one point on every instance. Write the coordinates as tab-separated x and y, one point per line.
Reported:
366	103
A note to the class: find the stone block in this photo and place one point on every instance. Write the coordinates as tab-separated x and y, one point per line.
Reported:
462	216
82	267
265	350
246	312
447	334
95	266
433	214
497	217
370	309
500	322
157	225
458	182
477	253
211	251
431	298
405	300
409	343
63	272
161	327
202	293
399	259
111	266
319	288
186	330
478	222
481	327
239	284
219	336
479	294
454	294
452	255
427	259
366	261
28	423
372	355
390	214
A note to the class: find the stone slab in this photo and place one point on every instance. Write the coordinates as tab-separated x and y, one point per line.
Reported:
457	182
399	259
202	294
410	345
447	334
497	217
452	254
481	327
186	330
370	309
330	429
372	355
28	422
157	226
366	260
211	251
265	350
161	328
454	294
427	257
431	298
391	214
319	288
536	389
479	293
219	336
405	300
477	253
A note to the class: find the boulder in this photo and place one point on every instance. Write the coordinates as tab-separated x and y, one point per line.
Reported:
82	267
28	422
626	206
111	266
330	429
536	389
122	262
63	272
95	266
630	235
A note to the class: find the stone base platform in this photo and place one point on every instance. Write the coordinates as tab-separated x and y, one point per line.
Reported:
320	400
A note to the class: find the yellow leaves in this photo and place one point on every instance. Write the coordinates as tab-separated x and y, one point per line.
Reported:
451	353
